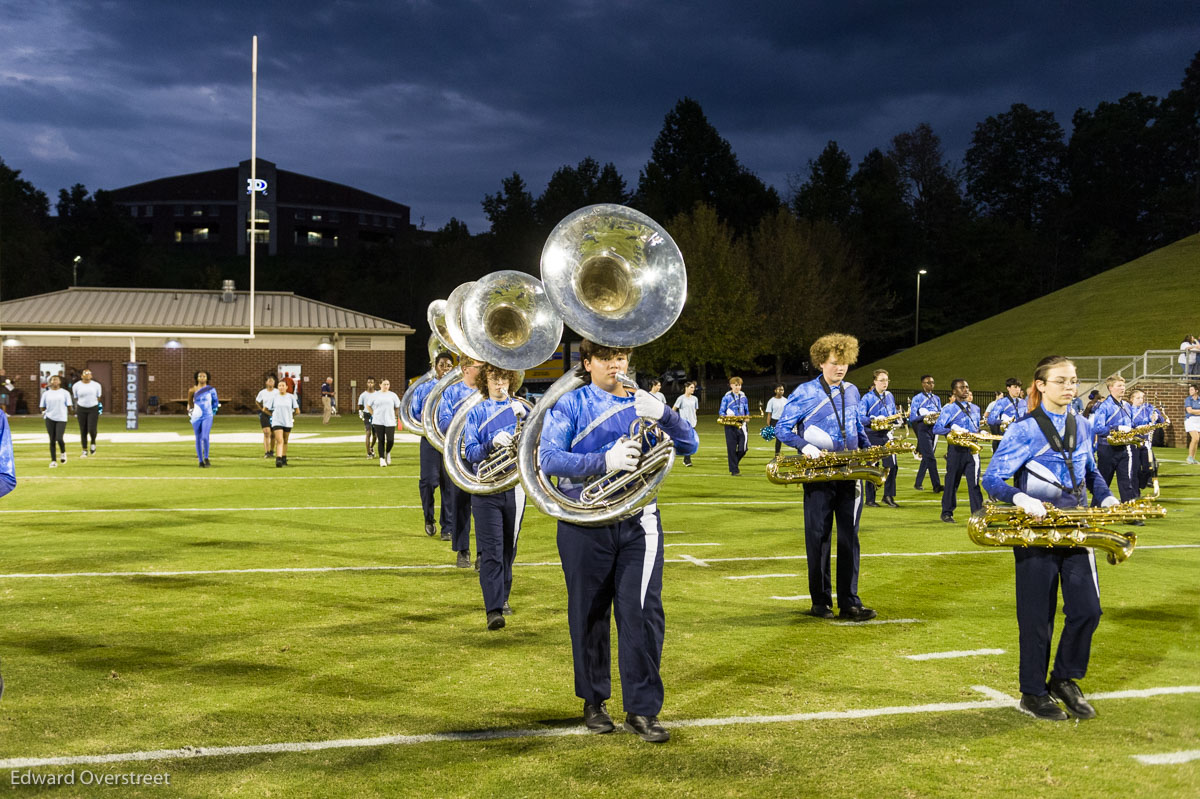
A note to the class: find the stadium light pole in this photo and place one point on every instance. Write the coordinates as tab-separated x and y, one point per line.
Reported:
75	270
917	319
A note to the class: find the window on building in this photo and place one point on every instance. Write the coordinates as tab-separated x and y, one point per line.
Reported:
180	210
198	210
316	216
391	222
262	228
214	210
334	216
300	215
133	210
148	210
364	219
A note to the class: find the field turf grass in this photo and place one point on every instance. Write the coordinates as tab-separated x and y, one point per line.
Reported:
761	699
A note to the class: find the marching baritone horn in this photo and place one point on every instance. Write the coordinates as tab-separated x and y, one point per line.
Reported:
1005	526
847	464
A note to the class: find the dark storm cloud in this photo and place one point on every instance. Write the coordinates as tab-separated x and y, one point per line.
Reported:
433	103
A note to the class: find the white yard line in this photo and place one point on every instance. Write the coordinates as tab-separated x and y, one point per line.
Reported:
693	560
691	544
188	752
1169	758
876	621
963	653
758	576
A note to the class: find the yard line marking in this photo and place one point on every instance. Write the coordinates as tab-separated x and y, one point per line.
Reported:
674	532
992	693
215	510
206	478
193	572
189	752
1170	758
758	576
962	653
691	544
796	598
690	559
876	621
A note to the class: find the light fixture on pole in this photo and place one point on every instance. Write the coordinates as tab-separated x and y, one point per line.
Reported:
917	319
75	270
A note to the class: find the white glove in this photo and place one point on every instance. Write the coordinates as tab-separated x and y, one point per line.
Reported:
1109	501
891	435
502	439
623	456
648	406
957	428
730	412
1030	505
1124	428
924	412
811	451
518	408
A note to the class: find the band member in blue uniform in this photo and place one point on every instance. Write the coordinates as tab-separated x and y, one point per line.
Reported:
491	426
1113	414
828	410
1007	409
432	475
1048	456
8	473
875	403
1144	413
202	407
737	441
925	404
618	566
459	501
959	415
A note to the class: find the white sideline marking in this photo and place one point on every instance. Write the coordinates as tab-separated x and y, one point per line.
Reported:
216	510
674	532
876	621
268	475
992	693
187	752
691	559
796	598
963	653
1170	758
758	576
691	544
173	437
241	571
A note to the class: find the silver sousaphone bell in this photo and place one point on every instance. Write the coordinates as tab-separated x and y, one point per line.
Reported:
617	278
455	337
435	315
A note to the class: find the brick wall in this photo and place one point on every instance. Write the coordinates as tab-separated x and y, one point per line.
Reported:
236	372
1169	397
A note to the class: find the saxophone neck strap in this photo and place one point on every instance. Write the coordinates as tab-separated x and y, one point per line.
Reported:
1064	444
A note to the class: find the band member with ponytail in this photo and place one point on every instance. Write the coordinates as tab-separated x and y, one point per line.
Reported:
828	410
876	403
491	426
925	404
1007	409
432	475
1048	456
618	565
737	441
960	415
1115	413
1144	413
458	500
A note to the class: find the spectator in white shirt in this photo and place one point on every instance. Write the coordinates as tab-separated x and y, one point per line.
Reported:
687	404
55	402
87	394
383	406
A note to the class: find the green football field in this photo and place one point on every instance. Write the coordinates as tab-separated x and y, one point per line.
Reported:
252	631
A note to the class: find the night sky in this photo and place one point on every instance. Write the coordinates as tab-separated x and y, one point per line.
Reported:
432	104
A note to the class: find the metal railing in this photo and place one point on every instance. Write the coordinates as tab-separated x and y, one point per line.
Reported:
1094	370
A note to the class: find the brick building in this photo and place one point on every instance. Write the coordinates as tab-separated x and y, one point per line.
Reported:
173	333
1169	396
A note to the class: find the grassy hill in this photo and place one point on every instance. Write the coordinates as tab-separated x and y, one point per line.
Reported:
1149	303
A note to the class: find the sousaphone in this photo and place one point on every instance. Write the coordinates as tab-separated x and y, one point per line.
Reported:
439	340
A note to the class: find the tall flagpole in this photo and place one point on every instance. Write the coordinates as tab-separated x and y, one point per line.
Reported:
253	170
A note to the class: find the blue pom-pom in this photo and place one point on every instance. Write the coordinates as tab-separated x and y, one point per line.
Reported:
768	433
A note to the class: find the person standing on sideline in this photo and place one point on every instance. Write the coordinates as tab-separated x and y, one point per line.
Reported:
87	410
925	404
618	565
1191	422
264	415
737	442
365	415
383	406
328	401
1187	355
875	403
1047	454
1007	409
960	415
458	500
283	407
432	474
490	426
775	406
828	410
656	391
55	403
202	407
686	404
1115	414
8	474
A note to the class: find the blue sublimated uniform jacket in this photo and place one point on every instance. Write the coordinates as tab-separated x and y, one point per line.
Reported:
584	424
419	394
965	415
1039	471
923	401
1109	415
452	398
205	399
872	405
1007	409
484	421
8	473
740	405
1146	414
818	413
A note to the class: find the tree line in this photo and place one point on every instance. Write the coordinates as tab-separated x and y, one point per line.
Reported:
1028	211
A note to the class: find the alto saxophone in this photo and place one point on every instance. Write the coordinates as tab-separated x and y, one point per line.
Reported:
1006	526
847	464
930	418
732	421
887	422
971	440
1136	436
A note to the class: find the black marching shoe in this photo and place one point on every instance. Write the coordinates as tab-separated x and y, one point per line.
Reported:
596	718
870	503
430	529
464	560
1069	694
278	463
1042	707
1137	523
207	463
890	502
203	465
495	620
856	613
647	728
938	489
507	609
821	611
948	518
445	534
476	561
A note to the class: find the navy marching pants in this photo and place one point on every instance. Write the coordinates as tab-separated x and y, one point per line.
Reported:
960	461
926	441
459	504
823	503
878	438
736	445
1121	463
432	477
1039	572
1146	466
618	568
497	526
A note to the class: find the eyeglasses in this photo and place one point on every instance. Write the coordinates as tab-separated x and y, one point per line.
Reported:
1063	382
